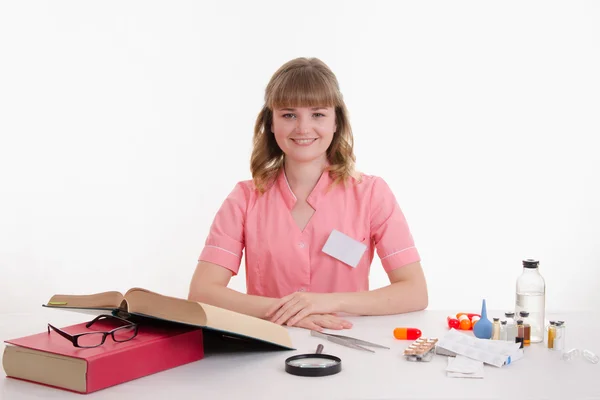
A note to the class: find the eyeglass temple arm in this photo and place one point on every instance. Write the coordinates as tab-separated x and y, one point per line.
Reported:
61	333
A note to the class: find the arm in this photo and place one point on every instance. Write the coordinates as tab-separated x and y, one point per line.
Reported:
220	259
407	292
209	285
399	257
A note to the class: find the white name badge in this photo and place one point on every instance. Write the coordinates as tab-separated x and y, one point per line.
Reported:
344	248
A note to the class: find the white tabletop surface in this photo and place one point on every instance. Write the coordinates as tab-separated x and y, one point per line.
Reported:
385	374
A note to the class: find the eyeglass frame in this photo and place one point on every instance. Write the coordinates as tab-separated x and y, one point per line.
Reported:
74	338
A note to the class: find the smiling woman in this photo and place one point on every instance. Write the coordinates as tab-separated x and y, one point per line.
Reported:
308	222
302	101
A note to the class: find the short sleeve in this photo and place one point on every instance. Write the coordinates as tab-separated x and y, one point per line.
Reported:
389	229
225	242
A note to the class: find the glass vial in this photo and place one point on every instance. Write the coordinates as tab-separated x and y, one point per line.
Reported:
531	296
496	329
559	338
520	333
526	327
591	357
551	334
511	327
502	330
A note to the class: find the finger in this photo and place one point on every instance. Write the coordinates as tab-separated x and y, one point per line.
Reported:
346	324
277	305
284	306
308	324
341	322
275	308
291	312
303	313
277	318
326	323
330	323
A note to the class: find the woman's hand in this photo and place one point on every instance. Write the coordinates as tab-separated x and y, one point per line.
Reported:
296	306
317	322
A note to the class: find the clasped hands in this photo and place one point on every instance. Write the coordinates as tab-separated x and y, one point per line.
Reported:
313	311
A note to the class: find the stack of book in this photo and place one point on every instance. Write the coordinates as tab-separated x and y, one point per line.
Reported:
170	332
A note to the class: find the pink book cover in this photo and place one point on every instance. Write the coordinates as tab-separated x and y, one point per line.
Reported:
155	348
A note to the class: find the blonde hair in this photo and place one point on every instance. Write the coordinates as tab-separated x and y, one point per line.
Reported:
302	82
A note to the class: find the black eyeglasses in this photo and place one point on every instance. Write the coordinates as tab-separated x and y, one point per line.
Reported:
97	338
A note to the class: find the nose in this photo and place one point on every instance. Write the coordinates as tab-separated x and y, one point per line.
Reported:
301	126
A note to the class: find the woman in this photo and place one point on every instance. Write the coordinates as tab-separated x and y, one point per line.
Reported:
309	223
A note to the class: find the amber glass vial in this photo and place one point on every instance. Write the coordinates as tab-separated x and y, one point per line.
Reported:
551	335
526	334
520	333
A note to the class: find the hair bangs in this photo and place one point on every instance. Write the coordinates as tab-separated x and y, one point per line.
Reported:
302	87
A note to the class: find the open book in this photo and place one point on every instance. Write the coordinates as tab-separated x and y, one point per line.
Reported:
146	304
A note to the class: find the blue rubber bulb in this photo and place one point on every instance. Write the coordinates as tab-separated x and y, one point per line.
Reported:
483	327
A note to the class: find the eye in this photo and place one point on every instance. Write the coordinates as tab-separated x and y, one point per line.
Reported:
287	115
319	114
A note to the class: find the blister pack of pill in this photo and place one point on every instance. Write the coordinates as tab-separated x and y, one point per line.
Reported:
422	349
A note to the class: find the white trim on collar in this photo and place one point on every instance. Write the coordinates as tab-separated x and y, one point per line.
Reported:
288	185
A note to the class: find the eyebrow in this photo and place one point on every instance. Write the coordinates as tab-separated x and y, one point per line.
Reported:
293	109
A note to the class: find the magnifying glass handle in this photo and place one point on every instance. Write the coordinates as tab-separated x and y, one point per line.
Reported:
319	349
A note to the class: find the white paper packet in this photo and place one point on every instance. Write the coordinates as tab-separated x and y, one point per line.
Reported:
492	352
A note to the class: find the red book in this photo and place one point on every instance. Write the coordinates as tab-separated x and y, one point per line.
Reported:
50	359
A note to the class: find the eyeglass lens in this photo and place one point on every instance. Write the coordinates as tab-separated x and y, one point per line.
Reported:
123	334
90	339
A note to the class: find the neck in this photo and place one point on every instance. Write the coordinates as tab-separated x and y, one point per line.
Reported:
303	176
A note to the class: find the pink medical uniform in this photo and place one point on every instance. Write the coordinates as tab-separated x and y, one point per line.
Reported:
281	259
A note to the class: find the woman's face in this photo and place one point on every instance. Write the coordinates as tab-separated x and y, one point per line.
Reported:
305	133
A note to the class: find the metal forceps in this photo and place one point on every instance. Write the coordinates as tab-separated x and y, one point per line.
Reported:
347	341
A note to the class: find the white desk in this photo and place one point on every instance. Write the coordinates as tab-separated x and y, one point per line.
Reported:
541	374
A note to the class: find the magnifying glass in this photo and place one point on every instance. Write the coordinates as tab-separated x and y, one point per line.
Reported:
317	364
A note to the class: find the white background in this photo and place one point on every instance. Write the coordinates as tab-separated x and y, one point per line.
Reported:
125	124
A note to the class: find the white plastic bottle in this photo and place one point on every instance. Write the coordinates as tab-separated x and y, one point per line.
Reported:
531	297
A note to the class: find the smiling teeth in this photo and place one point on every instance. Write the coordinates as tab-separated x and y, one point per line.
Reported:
303	141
